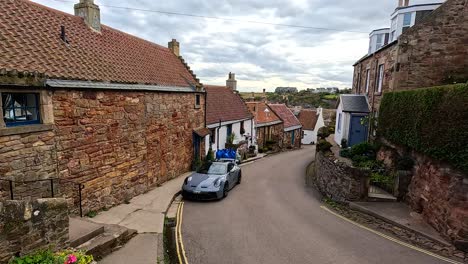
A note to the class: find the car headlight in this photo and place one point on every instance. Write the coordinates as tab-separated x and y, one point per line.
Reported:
217	182
187	180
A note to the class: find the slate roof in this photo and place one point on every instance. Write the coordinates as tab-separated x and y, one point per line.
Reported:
225	105
286	115
30	41
308	118
263	117
354	103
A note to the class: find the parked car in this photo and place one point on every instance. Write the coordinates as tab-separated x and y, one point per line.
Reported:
213	182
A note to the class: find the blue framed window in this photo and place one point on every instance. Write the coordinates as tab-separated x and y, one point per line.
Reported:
20	109
339	122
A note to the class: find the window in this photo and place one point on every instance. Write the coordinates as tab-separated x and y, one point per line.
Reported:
392	35
213	136
367	80
197	100
407	21
20	109
229	130
380	41
242	129
339	123
380	78
358	89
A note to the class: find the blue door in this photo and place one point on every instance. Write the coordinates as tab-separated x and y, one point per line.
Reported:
292	137
357	131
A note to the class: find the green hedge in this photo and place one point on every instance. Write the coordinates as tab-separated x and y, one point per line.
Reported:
433	121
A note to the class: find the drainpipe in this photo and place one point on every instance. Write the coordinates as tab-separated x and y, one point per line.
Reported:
373	98
217	135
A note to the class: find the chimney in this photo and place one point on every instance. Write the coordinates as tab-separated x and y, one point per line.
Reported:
403	3
90	13
174	46
231	82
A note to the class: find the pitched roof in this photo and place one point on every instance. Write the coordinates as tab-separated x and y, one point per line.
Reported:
354	103
263	114
308	118
286	115
225	105
30	37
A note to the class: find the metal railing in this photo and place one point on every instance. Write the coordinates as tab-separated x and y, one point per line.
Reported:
12	184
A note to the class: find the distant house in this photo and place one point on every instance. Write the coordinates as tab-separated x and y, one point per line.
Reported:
281	90
311	121
351	117
88	103
227	115
291	126
268	125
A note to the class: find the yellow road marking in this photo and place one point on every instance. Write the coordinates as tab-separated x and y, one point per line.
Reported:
391	238
180	233
177	234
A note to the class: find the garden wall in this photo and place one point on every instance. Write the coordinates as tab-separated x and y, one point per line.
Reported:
339	181
27	226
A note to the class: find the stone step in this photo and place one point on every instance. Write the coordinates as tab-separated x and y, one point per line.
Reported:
377	194
112	239
82	230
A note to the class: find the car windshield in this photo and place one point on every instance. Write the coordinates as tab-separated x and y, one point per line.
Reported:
217	169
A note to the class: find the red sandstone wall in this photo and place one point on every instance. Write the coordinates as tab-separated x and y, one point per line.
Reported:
123	143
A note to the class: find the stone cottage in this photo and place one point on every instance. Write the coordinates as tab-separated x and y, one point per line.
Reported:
226	116
292	128
85	102
268	126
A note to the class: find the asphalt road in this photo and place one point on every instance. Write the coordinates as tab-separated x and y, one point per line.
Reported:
271	217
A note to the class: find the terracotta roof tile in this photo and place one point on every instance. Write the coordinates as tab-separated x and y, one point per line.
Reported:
225	105
262	113
308	118
30	41
285	114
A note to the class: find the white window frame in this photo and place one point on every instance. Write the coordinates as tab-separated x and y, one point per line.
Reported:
339	122
380	78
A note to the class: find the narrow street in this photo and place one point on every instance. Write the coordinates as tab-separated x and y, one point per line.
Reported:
273	218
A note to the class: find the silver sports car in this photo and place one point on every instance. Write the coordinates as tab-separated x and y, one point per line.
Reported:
212	183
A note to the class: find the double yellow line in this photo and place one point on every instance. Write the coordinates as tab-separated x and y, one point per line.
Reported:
179	243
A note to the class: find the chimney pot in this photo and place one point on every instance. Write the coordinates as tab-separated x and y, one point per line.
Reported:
90	13
174	46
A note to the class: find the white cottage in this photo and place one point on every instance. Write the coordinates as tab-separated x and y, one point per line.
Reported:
312	121
351	111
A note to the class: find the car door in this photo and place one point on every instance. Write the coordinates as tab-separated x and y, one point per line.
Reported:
230	175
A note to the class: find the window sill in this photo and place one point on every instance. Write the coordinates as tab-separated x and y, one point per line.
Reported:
197	107
378	93
8	131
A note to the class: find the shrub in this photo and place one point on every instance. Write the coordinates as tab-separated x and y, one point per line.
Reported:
323	145
432	121
48	257
404	163
210	155
345	153
323	132
363	149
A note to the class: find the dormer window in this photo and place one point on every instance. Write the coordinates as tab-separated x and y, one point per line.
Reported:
407	21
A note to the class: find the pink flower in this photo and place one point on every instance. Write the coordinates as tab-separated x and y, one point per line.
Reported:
71	259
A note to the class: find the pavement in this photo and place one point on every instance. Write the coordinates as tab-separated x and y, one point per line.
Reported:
144	213
272	217
400	215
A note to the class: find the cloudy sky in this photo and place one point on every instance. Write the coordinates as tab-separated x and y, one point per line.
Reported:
261	55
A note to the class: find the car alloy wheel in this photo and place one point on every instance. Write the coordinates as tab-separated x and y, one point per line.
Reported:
225	189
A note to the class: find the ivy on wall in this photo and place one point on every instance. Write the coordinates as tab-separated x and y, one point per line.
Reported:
433	121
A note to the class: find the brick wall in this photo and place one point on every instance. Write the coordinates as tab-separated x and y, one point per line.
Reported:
276	135
27	226
287	138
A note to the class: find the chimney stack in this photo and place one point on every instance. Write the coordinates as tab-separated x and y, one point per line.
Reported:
231	82
174	46
90	13
403	3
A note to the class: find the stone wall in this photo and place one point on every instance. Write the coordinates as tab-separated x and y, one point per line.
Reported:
287	139
276	135
121	144
436	190
339	181
28	226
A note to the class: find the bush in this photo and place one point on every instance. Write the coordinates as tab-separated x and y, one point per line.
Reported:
48	257
323	145
405	163
210	155
432	121
323	132
346	153
363	149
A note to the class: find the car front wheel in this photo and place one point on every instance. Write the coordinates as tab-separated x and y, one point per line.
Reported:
239	179
225	190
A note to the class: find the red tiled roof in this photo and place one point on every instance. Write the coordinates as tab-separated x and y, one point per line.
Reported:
30	41
285	114
225	105
262	116
308	118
